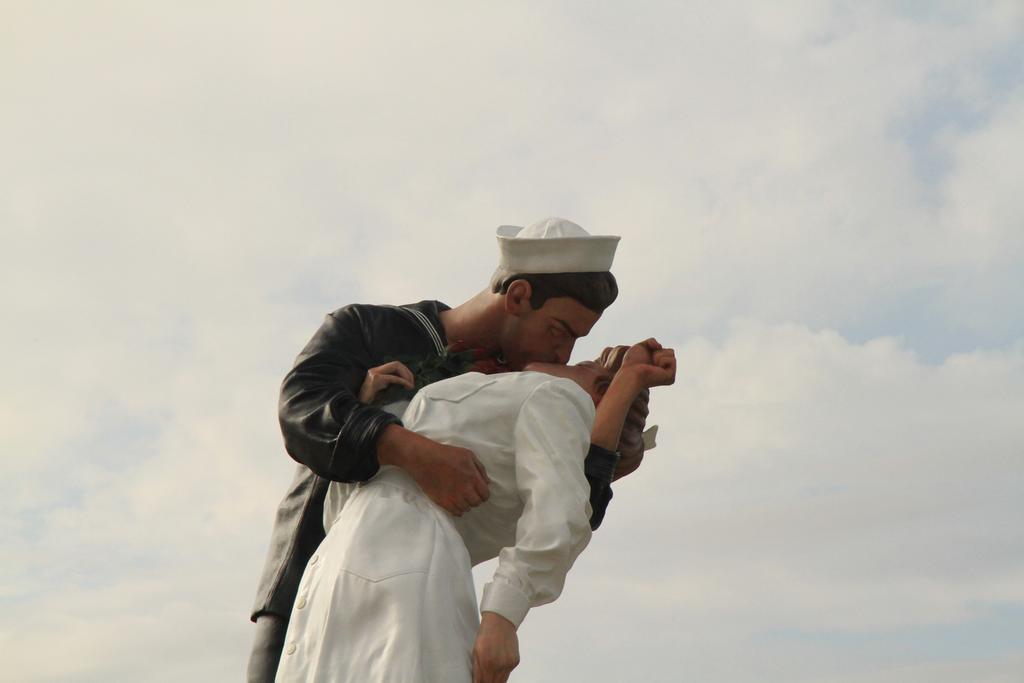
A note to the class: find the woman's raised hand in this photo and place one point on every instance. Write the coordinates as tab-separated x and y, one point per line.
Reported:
652	364
383	376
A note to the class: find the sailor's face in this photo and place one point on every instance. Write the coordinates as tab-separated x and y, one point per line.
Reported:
593	378
548	334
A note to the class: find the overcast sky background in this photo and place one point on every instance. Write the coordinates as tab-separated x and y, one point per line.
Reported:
821	207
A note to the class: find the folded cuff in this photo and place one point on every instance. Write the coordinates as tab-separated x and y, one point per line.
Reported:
358	437
506	600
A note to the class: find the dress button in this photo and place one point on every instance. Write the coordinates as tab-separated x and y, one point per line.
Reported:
314	560
291	648
301	603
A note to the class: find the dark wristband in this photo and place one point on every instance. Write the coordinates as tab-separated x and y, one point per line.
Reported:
600	464
599	468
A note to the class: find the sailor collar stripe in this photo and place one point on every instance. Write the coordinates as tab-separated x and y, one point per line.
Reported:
431	330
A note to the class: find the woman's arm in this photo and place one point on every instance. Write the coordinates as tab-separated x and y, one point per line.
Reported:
644	366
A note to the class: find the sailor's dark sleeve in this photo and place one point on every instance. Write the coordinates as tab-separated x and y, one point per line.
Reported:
599	468
324	425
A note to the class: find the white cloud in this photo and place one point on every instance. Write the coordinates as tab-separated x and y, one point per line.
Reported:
807	490
188	191
803	484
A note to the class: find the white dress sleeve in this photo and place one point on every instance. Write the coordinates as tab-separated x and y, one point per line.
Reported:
552	437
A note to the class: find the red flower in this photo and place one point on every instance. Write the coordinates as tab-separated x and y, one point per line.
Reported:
483	360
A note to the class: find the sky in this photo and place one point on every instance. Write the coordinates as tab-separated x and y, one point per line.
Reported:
820	208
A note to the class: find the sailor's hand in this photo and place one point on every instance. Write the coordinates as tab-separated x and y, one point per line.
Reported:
381	377
452	477
496	650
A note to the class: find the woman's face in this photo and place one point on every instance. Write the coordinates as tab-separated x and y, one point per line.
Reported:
593	378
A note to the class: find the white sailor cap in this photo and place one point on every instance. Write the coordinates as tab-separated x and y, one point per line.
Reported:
554	245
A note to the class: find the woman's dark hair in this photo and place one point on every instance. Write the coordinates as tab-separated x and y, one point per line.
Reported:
596	291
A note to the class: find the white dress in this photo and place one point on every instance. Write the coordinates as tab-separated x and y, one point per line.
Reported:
388	596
